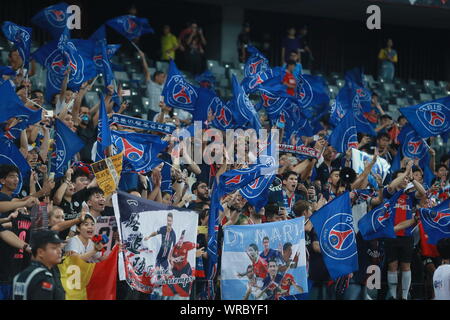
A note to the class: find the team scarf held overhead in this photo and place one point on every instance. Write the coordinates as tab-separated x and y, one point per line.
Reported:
52	19
67	145
131	27
21	37
57	56
334	226
429	118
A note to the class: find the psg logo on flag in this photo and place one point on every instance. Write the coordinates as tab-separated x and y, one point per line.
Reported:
182	92
132	151
60	152
56	18
20	35
221	111
349	139
378	218
305	92
413	146
57	66
268	99
244	102
338	236
432	117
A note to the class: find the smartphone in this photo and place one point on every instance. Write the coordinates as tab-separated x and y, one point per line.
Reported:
49	114
51	176
126	92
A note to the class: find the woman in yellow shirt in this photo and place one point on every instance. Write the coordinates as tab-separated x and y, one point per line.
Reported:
388	57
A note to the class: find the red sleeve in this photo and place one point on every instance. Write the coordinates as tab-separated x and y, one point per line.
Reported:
190	245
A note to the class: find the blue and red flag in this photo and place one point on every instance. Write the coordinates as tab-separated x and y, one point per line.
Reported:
177	92
311	91
377	223
21	37
256	62
67	145
140	151
429	118
57	56
344	136
272	79
436	223
334	227
52	19
131	27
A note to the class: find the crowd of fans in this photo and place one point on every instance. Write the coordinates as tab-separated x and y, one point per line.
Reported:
301	187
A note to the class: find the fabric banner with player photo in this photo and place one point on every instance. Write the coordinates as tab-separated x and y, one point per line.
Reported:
264	261
160	245
381	167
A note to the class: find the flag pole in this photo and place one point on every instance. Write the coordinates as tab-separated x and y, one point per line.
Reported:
134	45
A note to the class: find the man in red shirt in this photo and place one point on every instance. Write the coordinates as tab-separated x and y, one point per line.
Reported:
180	268
289	79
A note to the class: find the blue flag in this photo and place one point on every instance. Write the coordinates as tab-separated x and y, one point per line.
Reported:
131	27
57	56
270	78
52	19
377	223
206	78
177	92
272	102
244	113
355	75
10	154
256	62
12	107
436	223
334	226
67	145
311	91
7	71
21	37
140	150
340	106
344	136
103	131
430	118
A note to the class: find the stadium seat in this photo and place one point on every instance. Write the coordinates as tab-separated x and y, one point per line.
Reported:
218	71
425	97
121	76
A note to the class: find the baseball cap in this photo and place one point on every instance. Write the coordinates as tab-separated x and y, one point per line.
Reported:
41	238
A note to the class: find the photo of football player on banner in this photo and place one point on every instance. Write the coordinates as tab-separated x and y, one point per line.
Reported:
160	246
264	262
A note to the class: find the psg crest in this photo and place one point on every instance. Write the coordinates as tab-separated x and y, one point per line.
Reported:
413	146
56	18
432	117
182	92
338	236
305	92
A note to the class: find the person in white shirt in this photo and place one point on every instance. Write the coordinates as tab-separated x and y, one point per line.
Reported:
155	86
82	245
441	277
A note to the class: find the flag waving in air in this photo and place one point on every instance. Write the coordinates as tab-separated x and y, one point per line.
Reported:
311	91
436	223
140	150
21	37
67	145
334	226
430	118
10	154
244	113
52	19
377	223
344	136
256	62
131	27
57	56
177	92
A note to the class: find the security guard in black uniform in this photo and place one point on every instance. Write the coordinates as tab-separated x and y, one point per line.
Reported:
40	281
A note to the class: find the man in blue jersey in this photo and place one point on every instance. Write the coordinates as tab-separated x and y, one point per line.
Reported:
401	248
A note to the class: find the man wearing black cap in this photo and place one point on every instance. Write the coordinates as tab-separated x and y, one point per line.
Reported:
38	281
